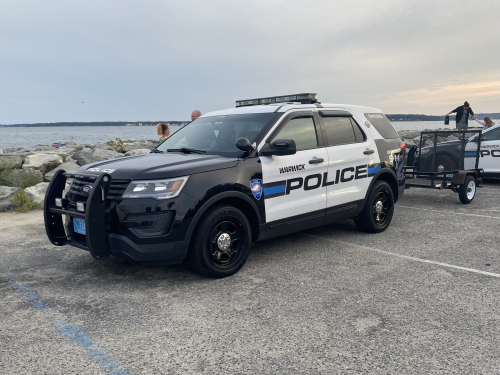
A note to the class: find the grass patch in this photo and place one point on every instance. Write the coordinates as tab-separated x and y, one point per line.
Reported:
23	202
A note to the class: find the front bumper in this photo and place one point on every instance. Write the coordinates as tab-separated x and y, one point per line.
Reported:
125	235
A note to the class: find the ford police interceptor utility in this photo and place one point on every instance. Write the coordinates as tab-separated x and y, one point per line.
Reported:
448	154
268	167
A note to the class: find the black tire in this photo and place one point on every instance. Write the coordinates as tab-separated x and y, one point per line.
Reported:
221	242
448	163
467	191
373	218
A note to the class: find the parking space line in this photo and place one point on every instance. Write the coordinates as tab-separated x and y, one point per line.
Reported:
447	212
73	333
407	256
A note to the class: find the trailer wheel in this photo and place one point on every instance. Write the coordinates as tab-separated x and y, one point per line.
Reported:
221	243
467	191
378	211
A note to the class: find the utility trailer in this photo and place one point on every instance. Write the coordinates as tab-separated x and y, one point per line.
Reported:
446	159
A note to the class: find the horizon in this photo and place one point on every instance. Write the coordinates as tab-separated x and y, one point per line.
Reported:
93	60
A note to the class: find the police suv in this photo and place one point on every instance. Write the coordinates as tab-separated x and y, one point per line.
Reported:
268	167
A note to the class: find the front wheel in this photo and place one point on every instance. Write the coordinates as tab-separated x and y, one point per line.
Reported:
467	191
379	209
221	242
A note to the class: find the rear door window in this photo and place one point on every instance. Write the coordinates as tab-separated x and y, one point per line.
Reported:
383	126
340	131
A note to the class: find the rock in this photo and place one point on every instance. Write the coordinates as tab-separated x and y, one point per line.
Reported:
1	151
139	145
22	177
100	154
67	167
87	156
140	151
43	162
416	140
11	161
83	158
37	192
6	193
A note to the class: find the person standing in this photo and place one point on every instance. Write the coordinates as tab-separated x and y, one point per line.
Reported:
487	123
195	114
462	117
163	130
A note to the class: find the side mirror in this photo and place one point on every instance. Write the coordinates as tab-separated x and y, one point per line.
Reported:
244	144
279	147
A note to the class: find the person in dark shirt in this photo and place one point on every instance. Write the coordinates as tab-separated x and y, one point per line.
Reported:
462	117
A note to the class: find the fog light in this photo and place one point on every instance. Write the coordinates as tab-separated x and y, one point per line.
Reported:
80	206
59	202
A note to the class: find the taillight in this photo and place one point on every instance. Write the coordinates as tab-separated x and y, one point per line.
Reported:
402	145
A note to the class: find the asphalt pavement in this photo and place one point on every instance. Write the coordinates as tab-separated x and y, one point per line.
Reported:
420	298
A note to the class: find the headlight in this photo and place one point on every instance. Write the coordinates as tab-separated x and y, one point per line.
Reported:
425	151
157	189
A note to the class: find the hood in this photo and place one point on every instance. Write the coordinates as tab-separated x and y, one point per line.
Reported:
156	166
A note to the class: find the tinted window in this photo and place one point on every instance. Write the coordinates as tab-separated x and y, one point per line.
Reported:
338	131
218	134
302	131
383	126
360	136
492	135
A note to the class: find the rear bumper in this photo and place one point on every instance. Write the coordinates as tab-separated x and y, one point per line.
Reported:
166	248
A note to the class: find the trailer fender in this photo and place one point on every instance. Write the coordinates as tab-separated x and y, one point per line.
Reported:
459	178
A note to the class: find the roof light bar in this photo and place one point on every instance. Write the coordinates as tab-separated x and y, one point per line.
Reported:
305	98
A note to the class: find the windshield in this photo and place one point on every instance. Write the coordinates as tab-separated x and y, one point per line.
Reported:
217	135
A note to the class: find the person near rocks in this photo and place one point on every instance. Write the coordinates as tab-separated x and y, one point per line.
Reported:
163	130
487	122
195	114
462	117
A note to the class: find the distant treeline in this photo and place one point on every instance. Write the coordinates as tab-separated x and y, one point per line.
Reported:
401	117
396	117
103	123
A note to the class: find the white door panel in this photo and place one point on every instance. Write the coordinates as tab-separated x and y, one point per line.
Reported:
348	170
289	185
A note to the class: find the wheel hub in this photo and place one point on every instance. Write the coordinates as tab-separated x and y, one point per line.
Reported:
378	207
224	241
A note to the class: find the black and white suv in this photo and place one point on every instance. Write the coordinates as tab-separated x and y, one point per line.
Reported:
268	167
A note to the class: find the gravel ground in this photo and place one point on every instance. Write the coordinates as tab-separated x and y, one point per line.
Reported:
420	298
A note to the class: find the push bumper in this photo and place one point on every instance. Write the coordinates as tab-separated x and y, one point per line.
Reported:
100	243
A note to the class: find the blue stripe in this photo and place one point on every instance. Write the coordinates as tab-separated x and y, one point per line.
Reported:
73	333
374	170
469	154
274	190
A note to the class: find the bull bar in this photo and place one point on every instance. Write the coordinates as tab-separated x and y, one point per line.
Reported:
95	215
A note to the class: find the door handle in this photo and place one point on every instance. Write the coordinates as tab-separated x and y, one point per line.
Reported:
316	161
368	152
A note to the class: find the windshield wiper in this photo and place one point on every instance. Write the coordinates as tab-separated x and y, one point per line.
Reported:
186	150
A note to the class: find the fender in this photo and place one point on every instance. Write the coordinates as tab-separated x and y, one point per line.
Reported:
459	178
215	199
390	176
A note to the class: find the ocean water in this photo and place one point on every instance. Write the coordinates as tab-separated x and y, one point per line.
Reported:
22	137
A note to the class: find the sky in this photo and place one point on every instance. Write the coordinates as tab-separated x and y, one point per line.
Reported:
110	60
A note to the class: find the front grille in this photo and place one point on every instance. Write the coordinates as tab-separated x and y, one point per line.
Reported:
115	193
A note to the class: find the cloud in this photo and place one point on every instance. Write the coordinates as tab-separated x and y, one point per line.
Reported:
159	59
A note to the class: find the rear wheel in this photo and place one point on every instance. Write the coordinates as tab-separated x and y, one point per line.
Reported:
379	209
467	191
221	243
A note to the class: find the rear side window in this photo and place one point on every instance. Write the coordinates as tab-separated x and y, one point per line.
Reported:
383	126
341	131
302	131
